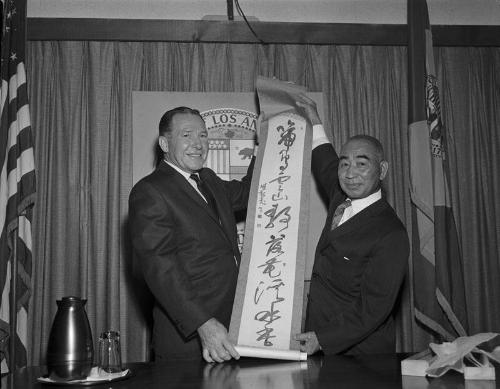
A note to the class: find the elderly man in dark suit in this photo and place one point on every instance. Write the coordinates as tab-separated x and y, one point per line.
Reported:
361	257
184	239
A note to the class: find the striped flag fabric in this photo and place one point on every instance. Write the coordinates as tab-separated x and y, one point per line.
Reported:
17	187
438	281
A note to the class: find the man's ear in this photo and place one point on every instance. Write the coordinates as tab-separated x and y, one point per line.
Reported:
384	166
163	143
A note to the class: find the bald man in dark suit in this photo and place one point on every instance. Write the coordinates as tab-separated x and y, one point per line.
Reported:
361	257
184	240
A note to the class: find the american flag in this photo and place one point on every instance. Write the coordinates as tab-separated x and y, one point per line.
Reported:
438	280
17	185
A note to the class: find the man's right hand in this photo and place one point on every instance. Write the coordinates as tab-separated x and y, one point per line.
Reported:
309	342
215	342
308	105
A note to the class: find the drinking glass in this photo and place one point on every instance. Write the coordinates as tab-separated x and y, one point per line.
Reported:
109	353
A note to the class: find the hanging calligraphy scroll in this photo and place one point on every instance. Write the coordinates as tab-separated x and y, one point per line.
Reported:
268	304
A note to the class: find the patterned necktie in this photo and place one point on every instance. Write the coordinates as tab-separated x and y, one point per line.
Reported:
205	192
339	212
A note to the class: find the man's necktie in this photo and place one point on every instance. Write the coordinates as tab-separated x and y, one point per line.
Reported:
205	192
339	212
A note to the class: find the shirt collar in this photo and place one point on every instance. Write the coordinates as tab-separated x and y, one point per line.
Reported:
359	204
177	168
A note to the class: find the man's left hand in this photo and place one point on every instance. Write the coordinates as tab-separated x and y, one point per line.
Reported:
308	342
308	106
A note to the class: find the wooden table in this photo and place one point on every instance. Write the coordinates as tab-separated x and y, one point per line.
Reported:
371	372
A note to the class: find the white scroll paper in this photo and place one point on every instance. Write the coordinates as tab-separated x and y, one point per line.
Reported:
268	305
259	352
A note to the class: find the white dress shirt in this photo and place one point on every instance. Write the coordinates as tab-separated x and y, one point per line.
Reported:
186	176
357	205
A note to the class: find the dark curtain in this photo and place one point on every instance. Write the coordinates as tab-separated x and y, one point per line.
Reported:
81	103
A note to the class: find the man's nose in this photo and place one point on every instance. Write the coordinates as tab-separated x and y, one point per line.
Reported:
350	172
197	142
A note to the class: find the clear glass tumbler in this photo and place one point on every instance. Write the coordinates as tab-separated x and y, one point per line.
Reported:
110	360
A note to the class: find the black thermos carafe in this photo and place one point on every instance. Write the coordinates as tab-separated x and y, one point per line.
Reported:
70	351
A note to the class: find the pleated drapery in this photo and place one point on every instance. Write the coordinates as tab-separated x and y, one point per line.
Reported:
81	103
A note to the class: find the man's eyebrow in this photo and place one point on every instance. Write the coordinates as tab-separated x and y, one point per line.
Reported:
363	156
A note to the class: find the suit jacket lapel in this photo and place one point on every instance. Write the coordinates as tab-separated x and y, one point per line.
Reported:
225	211
359	219
222	209
181	183
224	225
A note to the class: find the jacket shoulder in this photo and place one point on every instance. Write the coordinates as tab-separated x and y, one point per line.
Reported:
390	219
155	178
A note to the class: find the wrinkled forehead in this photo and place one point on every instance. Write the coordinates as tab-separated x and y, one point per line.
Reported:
187	120
356	148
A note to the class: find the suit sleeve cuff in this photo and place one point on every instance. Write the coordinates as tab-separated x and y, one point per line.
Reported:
189	329
319	136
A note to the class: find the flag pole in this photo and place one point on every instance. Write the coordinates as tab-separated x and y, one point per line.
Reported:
13	304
